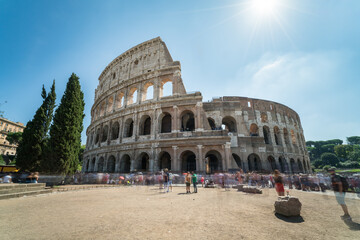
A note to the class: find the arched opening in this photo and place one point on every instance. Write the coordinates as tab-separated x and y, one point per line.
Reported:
272	162
230	123
237	159
264	117
300	167
148	92
188	160
267	137
166	88
292	166
165	161
277	135
111	164
212	123
125	164
132	97
128	128
105	133
110	104
166	123
254	162
97	138
91	139
143	162
100	165
115	131
187	121
87	165
145	125
92	165
214	161
254	130
282	164
102	109
304	164
286	136
120	100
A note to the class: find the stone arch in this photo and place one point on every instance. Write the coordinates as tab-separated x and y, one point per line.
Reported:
125	163
300	167
277	135
267	135
254	162
164	160
282	164
165	126
238	161
145	125
254	130
214	161
128	128
100	165
110	104
105	133
187	121
120	100
292	166
115	130
143	162
111	164
87	165
166	88
188	161
212	123
92	165
264	117
272	162
230	123
286	136
102	109
148	91
97	138
132	96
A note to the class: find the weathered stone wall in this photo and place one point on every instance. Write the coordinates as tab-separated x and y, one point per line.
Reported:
145	133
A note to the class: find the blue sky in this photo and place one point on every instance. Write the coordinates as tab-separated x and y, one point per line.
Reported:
302	53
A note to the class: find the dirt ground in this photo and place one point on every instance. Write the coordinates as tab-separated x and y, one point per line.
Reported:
145	213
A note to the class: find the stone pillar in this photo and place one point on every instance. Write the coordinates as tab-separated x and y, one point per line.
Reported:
95	169
114	102
272	136
198	117
225	161
117	162
175	120
201	159
175	163
135	126
157	89
132	165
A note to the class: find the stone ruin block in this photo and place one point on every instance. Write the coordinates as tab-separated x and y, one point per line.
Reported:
249	189
288	206
240	187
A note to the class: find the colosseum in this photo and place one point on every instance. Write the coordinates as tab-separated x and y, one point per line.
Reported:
136	126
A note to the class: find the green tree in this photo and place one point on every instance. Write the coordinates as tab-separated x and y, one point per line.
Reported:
329	159
354	156
65	132
31	146
342	151
2	162
354	140
14	137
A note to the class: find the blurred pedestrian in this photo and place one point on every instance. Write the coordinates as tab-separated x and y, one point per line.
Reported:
188	182
279	183
194	181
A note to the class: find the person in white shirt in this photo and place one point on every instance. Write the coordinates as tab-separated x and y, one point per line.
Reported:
7	179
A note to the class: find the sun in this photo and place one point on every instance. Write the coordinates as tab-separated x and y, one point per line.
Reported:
264	8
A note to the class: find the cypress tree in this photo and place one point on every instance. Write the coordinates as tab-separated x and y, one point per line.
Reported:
65	132
30	150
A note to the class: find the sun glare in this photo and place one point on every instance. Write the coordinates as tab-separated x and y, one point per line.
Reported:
264	8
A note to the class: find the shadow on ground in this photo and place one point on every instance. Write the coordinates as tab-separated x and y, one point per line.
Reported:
352	225
298	219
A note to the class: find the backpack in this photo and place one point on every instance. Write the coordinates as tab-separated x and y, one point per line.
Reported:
345	183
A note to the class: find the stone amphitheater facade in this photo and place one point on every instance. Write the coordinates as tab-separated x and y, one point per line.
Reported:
135	127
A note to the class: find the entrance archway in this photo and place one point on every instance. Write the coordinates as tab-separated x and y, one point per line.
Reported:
237	160
254	162
187	121
292	165
272	163
143	162
100	165
111	164
213	163
188	161
125	164
282	164
165	161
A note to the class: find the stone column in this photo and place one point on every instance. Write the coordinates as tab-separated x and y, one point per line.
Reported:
132	165
95	169
135	126
175	120
114	102
201	159
198	117
225	161
272	136
176	164
157	89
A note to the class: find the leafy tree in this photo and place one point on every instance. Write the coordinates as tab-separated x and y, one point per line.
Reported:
317	163
327	148
343	151
329	159
2	162
354	156
65	132
14	138
31	146
354	140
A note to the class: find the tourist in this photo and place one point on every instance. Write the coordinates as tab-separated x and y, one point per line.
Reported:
340	186
202	181
188	182
171	178
166	180
35	178
7	178
279	183
194	181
